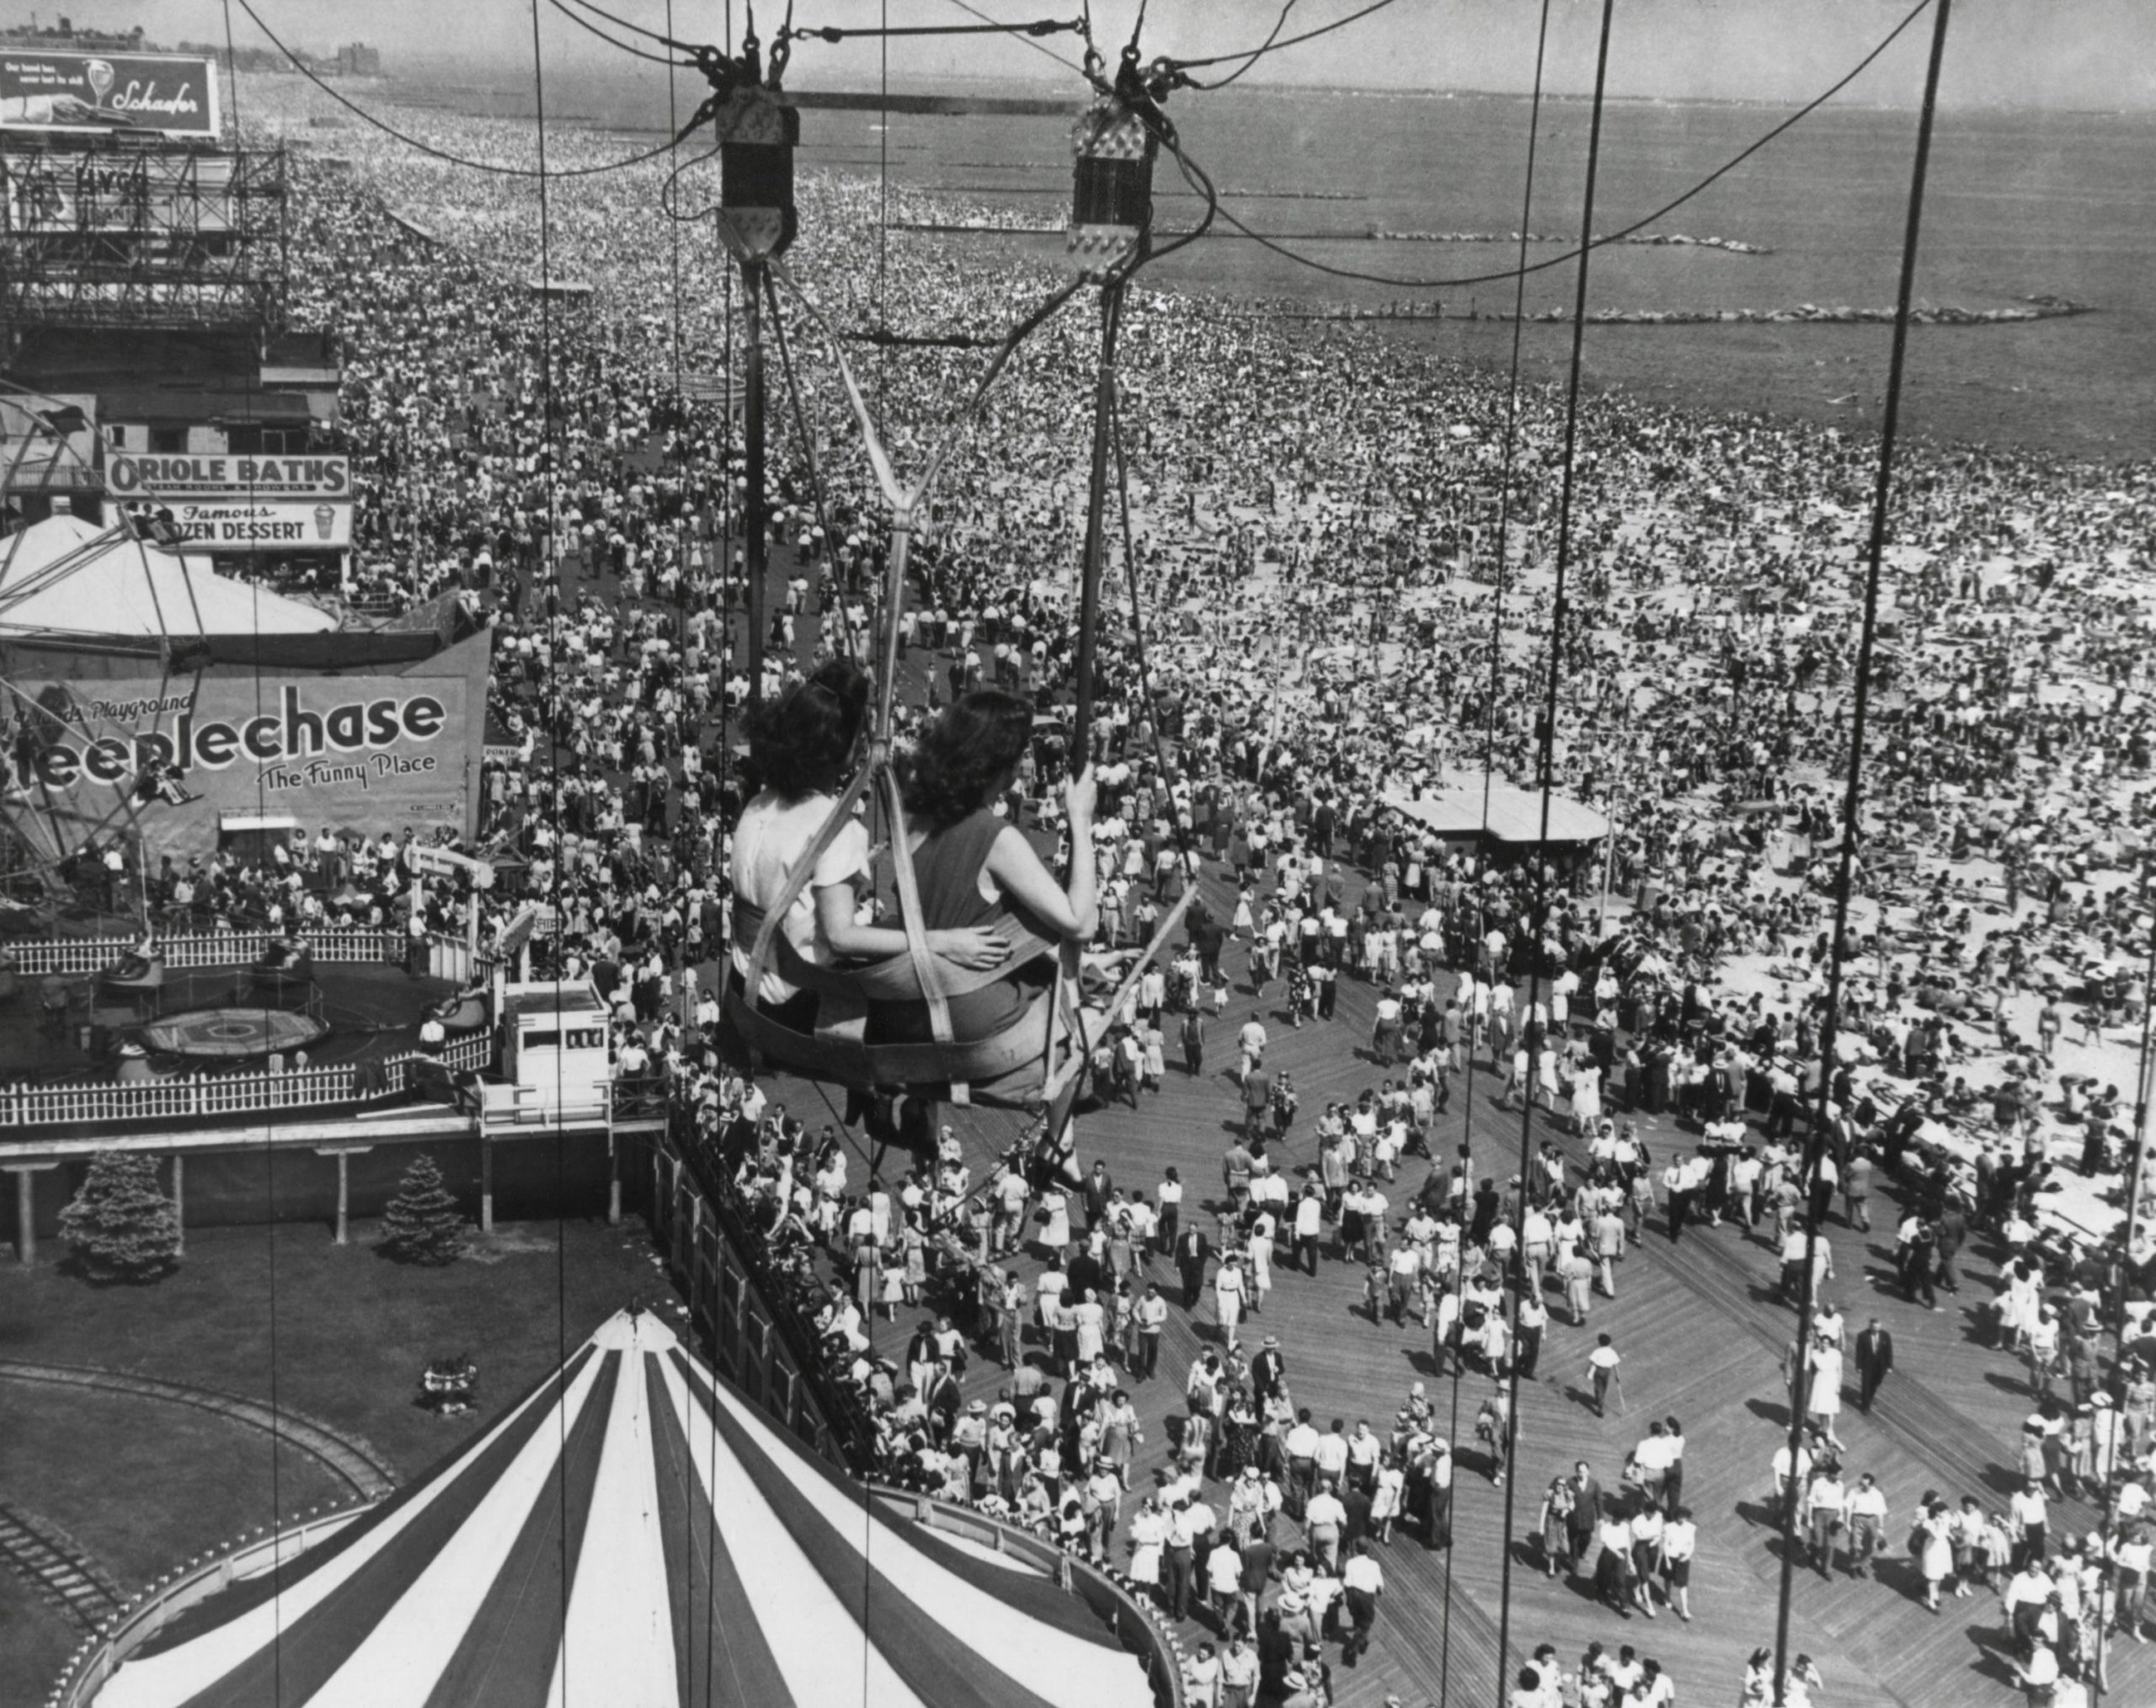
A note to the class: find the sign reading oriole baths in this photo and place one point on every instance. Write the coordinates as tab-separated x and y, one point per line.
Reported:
349	752
67	89
251	479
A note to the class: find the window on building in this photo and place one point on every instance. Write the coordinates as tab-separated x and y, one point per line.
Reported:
169	442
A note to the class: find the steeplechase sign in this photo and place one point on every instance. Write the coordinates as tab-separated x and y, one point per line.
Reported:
349	752
69	89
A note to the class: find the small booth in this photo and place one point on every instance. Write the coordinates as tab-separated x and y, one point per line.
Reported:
248	836
554	1056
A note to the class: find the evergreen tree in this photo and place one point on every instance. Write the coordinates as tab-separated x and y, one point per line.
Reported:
423	1223
121	1224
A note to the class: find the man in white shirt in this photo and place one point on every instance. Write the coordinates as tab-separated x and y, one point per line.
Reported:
1823	1504
1364	1582
1865	1511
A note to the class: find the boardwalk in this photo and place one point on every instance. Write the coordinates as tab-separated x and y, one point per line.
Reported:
1702	1341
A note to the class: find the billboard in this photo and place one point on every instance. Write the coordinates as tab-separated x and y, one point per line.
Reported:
129	475
68	89
238	526
356	753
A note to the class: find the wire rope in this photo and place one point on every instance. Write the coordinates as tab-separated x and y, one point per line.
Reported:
809	456
1263	48
428	148
630	48
1546	761
1508	1449
1587	240
1063	60
1272	45
553	666
269	1121
1822	1122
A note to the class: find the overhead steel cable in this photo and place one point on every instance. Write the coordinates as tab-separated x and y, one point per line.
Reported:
1507	1448
1588	241
1852	808
1546	764
428	148
1263	48
630	48
1271	45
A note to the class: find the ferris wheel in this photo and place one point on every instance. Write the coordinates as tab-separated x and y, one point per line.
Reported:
95	602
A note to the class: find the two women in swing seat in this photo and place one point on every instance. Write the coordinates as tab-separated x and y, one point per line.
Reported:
968	864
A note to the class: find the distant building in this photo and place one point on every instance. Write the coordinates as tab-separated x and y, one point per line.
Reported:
357	59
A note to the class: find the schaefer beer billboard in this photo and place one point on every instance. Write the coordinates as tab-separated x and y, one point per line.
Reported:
361	753
65	90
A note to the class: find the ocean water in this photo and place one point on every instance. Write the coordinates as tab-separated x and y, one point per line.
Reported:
2020	204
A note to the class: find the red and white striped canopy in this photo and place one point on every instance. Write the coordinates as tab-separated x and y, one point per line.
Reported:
634	1534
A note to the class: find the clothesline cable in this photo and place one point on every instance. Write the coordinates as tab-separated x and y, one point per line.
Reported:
1822	1122
1546	764
1499	576
428	148
1587	240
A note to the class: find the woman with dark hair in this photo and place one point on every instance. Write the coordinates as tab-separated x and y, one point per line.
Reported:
971	865
803	745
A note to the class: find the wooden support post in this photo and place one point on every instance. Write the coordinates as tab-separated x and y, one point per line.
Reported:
486	1184
613	1182
179	1198
344	1154
26	1175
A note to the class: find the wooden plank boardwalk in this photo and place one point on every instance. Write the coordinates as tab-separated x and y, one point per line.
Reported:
1701	1340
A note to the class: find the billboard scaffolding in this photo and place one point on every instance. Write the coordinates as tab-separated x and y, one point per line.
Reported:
98	231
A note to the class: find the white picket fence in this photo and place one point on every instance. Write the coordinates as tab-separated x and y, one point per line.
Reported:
35	958
223	1096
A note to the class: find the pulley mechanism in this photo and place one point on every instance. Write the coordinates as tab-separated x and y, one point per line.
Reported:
1112	188
757	129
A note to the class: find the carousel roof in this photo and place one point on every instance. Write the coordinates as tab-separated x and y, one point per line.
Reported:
635	1533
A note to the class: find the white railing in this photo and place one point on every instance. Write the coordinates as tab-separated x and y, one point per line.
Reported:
37	957
164	1601
223	1095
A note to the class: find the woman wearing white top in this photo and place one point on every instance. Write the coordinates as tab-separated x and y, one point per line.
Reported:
802	745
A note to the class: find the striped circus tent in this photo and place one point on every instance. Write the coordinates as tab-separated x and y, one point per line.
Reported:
635	1534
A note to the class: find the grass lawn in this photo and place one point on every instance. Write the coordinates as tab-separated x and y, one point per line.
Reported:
35	1641
142	1485
275	1314
340	1333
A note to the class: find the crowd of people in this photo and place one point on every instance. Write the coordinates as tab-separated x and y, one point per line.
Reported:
1325	633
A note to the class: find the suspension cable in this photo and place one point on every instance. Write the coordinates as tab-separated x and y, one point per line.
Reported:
1271	45
428	148
630	48
808	455
1588	240
1509	1448
1264	47
1546	757
1852	808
